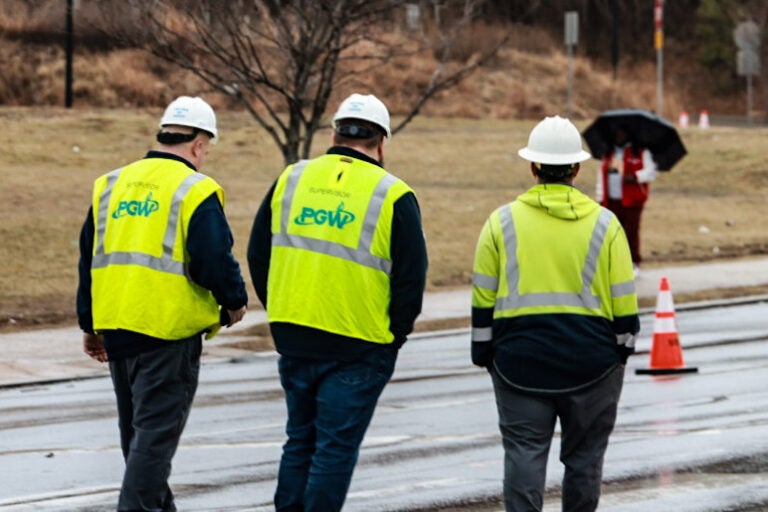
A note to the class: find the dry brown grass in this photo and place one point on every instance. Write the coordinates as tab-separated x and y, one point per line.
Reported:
460	169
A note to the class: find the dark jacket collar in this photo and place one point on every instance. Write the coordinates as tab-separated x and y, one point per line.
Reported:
162	154
352	153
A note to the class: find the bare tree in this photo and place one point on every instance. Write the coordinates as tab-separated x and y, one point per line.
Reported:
282	59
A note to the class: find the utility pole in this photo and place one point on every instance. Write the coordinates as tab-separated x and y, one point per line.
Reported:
615	37
658	17
70	43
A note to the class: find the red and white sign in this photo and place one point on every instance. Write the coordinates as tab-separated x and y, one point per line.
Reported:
658	14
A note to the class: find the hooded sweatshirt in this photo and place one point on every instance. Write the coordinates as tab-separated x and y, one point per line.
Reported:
541	346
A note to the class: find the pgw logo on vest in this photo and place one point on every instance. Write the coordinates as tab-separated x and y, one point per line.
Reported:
336	218
136	208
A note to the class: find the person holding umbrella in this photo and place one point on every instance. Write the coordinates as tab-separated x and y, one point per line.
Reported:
623	186
632	144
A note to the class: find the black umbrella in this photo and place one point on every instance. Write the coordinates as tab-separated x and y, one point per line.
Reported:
643	128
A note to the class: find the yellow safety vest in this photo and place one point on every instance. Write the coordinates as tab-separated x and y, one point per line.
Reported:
600	289
331	234
140	280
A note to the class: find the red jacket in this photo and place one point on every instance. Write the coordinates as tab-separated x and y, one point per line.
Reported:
633	193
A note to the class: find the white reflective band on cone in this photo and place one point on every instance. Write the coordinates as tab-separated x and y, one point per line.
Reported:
664	325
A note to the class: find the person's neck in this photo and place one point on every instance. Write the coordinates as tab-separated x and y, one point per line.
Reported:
371	153
178	150
567	183
179	153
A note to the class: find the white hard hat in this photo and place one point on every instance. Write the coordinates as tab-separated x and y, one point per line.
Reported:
193	112
556	141
366	107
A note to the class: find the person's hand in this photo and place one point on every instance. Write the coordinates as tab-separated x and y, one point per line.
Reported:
645	175
93	345
630	178
236	315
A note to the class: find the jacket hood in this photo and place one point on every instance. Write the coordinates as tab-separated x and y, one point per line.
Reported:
561	201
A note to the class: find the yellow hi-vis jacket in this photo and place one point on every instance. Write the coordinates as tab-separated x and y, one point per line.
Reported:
139	270
553	296
331	235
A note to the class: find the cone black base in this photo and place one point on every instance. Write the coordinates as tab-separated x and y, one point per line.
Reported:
665	371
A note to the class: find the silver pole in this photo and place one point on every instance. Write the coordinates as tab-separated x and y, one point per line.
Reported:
749	99
570	81
660	82
571	38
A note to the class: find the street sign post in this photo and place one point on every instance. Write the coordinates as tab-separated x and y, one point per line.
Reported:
658	43
571	38
747	39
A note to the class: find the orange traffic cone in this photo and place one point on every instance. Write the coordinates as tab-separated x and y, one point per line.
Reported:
683	119
704	119
666	353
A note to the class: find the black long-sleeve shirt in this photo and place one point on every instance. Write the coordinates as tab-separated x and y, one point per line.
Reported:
211	265
407	280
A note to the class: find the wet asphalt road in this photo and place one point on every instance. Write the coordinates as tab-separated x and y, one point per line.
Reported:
695	442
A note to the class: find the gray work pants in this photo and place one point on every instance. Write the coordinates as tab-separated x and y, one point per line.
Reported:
527	424
154	393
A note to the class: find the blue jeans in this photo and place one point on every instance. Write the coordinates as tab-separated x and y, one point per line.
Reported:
330	405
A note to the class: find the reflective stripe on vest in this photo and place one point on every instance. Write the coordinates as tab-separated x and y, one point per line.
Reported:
165	263
482	334
515	300
362	253
485	281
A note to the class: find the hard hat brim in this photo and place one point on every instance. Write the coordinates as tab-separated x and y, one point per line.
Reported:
549	158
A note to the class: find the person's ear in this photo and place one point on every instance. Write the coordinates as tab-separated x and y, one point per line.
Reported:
380	149
198	146
533	171
576	169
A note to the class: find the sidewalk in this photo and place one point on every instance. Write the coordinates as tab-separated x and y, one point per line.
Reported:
56	354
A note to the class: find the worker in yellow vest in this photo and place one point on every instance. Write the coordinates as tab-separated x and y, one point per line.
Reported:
156	274
554	319
338	258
